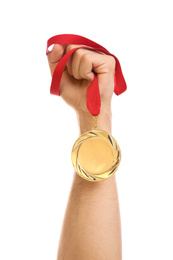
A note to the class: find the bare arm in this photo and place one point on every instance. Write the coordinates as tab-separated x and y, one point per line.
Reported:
91	227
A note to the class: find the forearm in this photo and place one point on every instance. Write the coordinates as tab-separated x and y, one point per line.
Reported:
91	228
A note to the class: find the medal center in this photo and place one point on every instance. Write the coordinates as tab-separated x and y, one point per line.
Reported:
96	155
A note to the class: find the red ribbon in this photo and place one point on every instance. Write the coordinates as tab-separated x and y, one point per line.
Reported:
93	94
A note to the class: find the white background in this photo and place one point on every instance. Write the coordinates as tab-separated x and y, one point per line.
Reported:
38	130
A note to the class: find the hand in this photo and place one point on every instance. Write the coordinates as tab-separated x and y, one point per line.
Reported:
79	75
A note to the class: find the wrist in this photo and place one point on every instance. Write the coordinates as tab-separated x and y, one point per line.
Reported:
104	120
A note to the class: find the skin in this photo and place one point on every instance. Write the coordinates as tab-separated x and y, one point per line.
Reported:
91	228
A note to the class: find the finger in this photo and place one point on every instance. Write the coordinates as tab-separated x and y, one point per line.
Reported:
69	65
74	63
86	66
85	61
73	59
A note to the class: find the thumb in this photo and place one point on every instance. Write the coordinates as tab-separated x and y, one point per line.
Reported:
55	55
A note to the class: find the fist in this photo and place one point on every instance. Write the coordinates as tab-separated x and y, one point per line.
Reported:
79	74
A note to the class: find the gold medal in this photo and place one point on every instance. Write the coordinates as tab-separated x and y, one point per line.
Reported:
96	155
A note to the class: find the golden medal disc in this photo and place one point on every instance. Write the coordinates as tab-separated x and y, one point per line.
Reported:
95	155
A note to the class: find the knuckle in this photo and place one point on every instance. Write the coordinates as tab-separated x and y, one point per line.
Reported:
86	58
70	47
77	54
